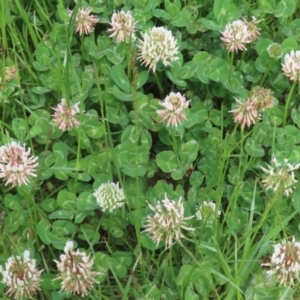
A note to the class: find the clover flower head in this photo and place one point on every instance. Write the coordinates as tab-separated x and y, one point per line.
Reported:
21	276
236	35
84	21
75	271
261	280
285	262
64	116
253	30
207	212
173	112
9	73
245	113
291	65
122	26
262	98
109	196
275	50
167	222
16	164
280	177
158	44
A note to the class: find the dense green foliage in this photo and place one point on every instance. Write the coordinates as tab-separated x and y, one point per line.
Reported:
121	139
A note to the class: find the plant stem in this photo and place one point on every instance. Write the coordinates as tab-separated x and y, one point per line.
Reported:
175	146
160	88
197	264
287	103
241	60
231	62
263	78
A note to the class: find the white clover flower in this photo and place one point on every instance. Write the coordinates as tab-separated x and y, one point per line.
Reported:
158	44
207	212
21	276
280	177
9	73
173	112
236	35
291	65
167	222
245	113
285	262
75	271
109	196
16	164
122	26
275	50
69	246
262	280
64	116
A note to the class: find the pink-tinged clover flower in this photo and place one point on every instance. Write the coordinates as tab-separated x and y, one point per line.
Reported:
167	222
122	26
16	164
21	276
253	30
158	44
262	98
75	271
291	65
173	112
64	116
84	21
285	262
239	33
245	113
